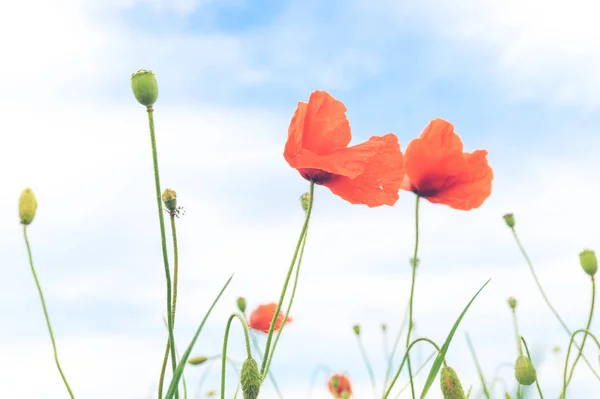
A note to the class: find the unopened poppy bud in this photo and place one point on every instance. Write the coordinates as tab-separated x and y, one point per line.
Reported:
383	327
451	386
524	371
250	379
211	393
509	218
556	349
197	360
512	302
304	201
588	261
27	206
241	304
356	329
169	198
145	87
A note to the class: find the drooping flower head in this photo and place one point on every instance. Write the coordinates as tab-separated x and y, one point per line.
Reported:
437	169
260	319
369	173
338	384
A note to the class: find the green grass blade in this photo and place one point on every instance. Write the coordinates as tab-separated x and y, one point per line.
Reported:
437	364
186	355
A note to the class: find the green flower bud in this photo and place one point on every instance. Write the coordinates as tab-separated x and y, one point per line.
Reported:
512	302
250	379
509	218
304	201
356	329
451	386
556	349
241	304
169	198
588	261
524	371
383	327
27	206
197	360
145	87
211	393
507	395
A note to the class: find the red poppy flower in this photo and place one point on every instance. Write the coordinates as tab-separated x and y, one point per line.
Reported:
261	318
437	169
369	173
343	385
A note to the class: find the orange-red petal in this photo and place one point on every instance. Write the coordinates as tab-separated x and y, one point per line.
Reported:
379	182
319	126
261	318
438	170
343	385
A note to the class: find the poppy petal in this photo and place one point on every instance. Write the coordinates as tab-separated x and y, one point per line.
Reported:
382	176
294	141
326	128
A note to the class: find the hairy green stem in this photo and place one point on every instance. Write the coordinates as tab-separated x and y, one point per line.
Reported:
571	343
391	357
39	288
226	340
163	240
287	280
417	373
412	293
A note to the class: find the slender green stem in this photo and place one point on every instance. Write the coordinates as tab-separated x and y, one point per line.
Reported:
587	327
405	358
259	351
417	373
287	281
39	288
537	382
391	358
226	340
571	343
289	309
412	293
363	353
163	240
530	264
479	370
517	335
174	305
165	364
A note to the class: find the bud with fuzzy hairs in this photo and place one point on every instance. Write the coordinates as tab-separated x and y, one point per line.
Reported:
250	379
196	360
509	218
589	262
27	206
524	371
450	384
169	198
512	302
145	87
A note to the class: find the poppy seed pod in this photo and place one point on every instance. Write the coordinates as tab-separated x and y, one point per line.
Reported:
356	329
589	262
512	302
509	218
241	304
250	379
450	384
169	198
304	201
27	206
145	87
196	360
524	371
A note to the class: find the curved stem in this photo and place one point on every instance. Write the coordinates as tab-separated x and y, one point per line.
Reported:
537	383
225	341
391	358
163	241
417	373
287	280
39	288
174	306
294	286
412	293
530	264
587	327
571	342
363	352
387	393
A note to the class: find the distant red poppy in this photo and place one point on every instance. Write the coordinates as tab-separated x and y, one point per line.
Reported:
343	385
369	173
261	318
437	169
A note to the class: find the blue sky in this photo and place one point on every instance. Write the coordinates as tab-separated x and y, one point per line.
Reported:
518	78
